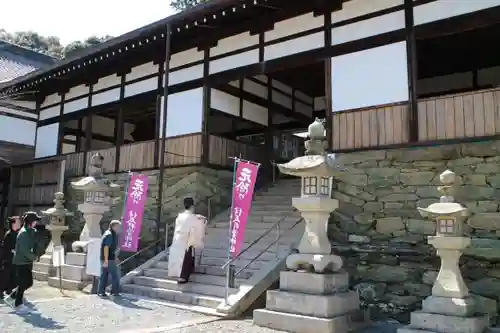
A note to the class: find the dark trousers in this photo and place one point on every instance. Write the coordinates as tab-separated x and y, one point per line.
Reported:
188	264
110	270
24	275
7	279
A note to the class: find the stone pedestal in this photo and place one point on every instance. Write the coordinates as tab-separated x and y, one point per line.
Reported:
449	309
43	269
73	273
310	302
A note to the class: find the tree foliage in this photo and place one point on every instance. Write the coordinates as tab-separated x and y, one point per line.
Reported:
185	4
50	45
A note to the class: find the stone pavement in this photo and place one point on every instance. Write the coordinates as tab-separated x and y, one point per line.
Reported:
79	313
76	312
246	326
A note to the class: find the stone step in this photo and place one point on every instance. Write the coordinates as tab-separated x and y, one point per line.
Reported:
297	323
219	262
260	224
173	296
191	287
450	324
210	270
198	278
260	213
248	255
220	240
40	276
283	244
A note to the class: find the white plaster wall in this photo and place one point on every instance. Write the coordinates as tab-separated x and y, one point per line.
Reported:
294	46
443	9
106	82
51	112
4	109
356	77
293	26
76	105
140	87
47	140
77	91
17	130
234	43
368	28
224	102
50	100
185	57
141	71
184	112
105	97
356	8
185	74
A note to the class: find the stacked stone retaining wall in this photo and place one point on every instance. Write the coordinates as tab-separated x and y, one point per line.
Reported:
380	232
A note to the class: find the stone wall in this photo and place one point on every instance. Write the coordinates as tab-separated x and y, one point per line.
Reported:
202	184
378	229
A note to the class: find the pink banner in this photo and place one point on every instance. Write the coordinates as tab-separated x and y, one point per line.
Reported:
245	177
137	195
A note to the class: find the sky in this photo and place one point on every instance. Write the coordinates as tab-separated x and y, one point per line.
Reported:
77	20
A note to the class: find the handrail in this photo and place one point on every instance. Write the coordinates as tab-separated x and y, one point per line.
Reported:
257	240
141	251
267	248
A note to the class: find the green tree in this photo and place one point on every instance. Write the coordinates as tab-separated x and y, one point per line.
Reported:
74	47
181	5
50	45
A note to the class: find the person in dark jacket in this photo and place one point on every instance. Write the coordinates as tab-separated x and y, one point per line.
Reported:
24	257
8	277
43	237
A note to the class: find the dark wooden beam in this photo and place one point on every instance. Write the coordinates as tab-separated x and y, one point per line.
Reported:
120	124
205	144
100	137
411	64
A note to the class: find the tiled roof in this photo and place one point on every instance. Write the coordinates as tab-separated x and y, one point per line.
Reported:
16	61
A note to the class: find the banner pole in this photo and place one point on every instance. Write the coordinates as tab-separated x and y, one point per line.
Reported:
228	268
125	197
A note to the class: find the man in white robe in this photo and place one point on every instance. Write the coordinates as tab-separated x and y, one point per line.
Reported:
188	235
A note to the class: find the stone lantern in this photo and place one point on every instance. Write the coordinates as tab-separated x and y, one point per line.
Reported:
43	269
314	289
99	194
449	309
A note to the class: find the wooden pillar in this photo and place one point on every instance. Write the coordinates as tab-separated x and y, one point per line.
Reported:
158	122
411	60
205	142
168	38
60	133
270	130
78	147
88	131
328	80
119	125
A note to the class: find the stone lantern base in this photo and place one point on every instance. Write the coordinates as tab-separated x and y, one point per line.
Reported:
426	322
308	302
73	273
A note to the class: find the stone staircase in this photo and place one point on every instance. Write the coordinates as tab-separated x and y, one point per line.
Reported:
206	291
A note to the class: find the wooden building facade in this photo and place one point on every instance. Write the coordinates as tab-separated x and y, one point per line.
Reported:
239	77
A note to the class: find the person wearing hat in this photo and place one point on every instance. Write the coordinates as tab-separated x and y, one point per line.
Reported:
8	277
24	257
109	260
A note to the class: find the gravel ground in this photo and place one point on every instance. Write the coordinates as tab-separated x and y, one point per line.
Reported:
246	326
91	314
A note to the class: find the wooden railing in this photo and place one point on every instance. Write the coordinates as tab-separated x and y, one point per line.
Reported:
472	114
183	150
221	149
137	156
465	115
370	127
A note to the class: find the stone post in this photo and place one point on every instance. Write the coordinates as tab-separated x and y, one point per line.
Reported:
449	309
98	198
43	270
314	292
